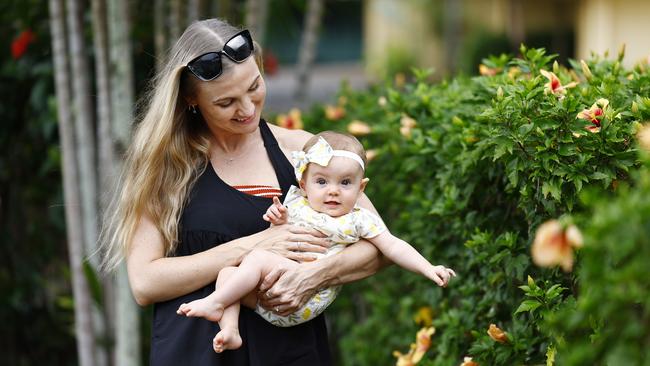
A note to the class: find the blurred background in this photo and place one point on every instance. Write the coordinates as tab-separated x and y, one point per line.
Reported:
109	50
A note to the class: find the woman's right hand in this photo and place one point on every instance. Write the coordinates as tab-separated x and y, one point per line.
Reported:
295	242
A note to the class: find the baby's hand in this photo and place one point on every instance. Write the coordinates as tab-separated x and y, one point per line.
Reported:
276	214
441	275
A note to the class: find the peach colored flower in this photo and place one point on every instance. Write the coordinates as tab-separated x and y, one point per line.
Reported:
467	361
553	245
371	155
292	120
424	316
585	69
497	334
554	85
400	79
513	72
334	113
417	349
644	137
407	124
488	71
594	114
359	128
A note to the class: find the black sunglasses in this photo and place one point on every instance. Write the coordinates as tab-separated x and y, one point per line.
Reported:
208	66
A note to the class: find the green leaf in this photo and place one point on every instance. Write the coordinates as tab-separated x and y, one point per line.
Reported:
525	129
598	176
528	305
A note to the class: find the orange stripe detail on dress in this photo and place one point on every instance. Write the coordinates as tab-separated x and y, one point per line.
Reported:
259	190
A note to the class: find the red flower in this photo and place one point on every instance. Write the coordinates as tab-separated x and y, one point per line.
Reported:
19	45
554	84
594	114
271	64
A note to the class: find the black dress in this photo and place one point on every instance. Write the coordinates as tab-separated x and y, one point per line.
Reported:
217	213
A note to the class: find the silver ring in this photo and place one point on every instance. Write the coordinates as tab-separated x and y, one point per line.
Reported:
277	310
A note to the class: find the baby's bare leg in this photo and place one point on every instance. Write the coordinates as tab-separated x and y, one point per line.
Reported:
228	337
243	280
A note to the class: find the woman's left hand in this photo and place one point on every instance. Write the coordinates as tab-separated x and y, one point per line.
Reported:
284	290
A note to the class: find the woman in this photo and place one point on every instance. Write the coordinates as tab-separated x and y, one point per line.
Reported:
183	213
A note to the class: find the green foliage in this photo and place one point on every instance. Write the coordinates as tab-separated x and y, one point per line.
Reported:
609	324
489	159
35	305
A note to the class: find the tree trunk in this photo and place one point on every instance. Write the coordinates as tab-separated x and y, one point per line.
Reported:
82	303
127	323
84	127
193	10
160	35
106	156
308	44
452	33
175	21
256	14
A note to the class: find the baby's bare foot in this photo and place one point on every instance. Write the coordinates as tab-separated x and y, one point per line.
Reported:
227	338
204	308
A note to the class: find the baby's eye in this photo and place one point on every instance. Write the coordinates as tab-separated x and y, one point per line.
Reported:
320	181
254	87
345	182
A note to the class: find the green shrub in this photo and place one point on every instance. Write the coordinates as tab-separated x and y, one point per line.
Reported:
466	170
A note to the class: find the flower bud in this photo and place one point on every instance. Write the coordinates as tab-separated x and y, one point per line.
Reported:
382	101
467	361
556	67
644	137
621	52
635	108
585	70
359	128
407	121
371	155
497	334
500	93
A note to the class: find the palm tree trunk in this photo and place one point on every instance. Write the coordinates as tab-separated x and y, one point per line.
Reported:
106	161
193	10
256	14
84	126
83	320
127	325
308	44
160	36
175	20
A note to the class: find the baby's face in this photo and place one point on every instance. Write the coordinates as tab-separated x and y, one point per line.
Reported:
333	189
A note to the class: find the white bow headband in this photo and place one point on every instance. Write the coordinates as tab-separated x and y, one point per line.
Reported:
321	153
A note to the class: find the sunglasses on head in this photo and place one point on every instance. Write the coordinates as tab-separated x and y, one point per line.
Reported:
208	66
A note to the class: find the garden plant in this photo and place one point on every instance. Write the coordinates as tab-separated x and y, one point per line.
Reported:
528	180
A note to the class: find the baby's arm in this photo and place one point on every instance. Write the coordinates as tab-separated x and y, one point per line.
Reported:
276	214
403	254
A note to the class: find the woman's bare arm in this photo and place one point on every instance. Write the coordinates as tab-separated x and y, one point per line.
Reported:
154	277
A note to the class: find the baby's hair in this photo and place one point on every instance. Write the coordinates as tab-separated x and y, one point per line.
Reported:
339	141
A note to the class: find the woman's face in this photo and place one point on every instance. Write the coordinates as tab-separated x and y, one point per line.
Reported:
232	103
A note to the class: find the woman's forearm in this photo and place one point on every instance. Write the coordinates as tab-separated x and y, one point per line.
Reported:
354	263
154	277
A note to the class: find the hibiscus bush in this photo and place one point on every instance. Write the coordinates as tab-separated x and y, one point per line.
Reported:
467	170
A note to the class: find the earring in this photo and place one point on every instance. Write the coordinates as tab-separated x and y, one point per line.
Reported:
192	109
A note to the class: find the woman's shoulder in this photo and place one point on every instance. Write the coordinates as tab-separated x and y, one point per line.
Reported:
290	140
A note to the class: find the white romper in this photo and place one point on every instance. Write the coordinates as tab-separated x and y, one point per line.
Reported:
342	230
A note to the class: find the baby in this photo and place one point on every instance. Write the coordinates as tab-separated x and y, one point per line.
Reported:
330	170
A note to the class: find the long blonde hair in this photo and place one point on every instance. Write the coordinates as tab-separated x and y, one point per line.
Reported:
170	148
